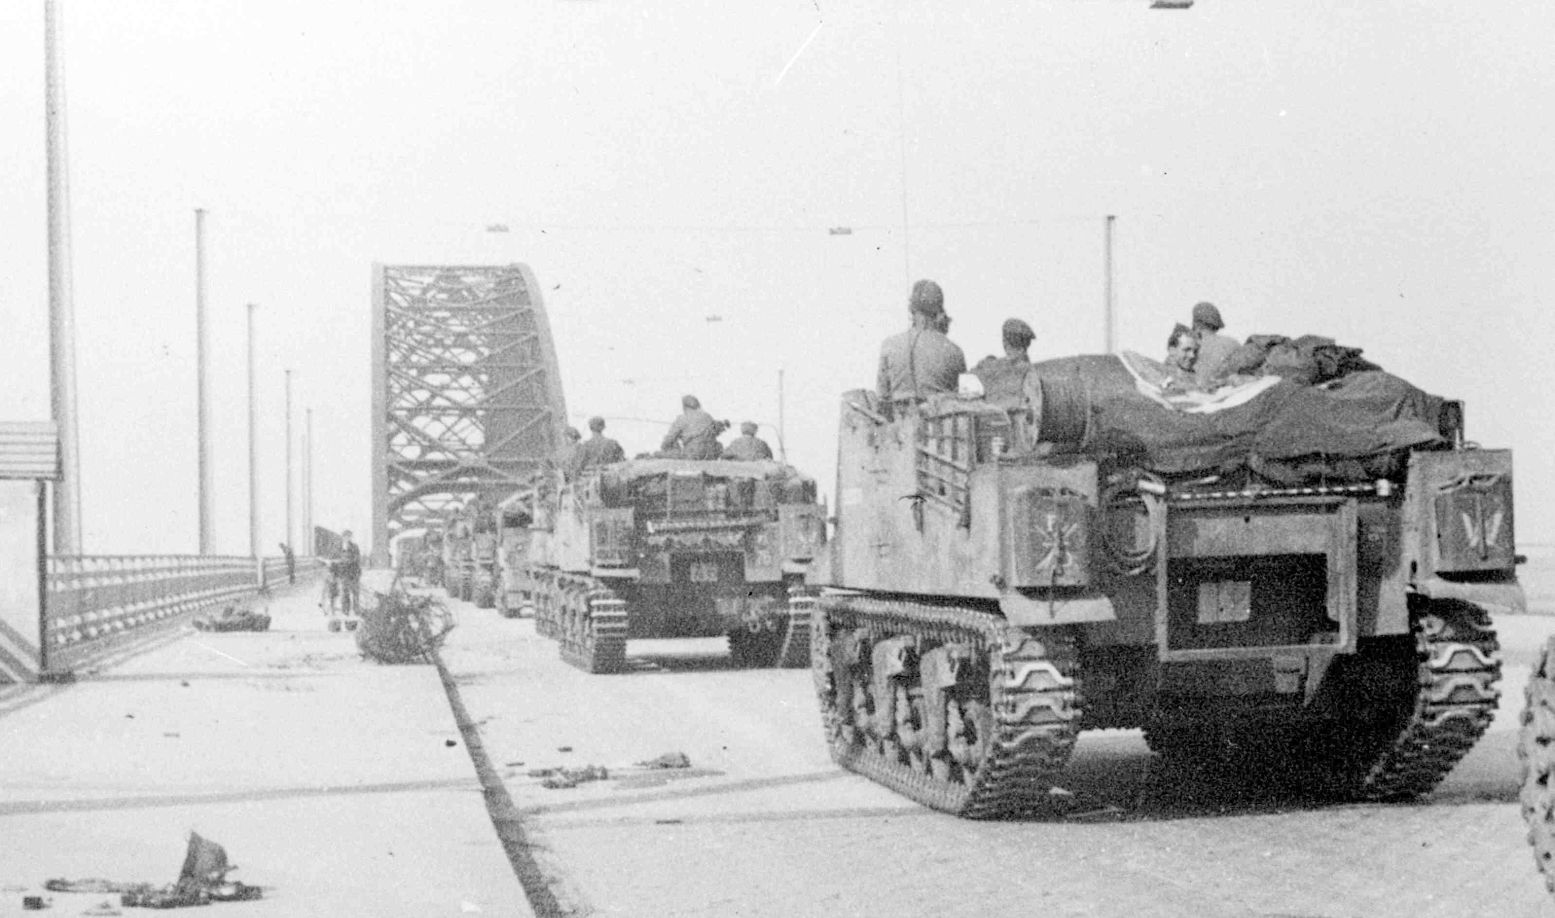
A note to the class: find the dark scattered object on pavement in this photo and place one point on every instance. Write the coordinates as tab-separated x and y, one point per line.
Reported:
563	748
201	881
233	618
667	760
402	628
563	778
93	885
33	903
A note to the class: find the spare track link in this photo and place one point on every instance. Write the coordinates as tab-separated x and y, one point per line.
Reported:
1031	689
1454	703
593	636
1536	750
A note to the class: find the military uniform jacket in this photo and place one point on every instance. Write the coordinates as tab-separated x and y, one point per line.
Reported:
1003	378
599	450
747	449
918	362
694	434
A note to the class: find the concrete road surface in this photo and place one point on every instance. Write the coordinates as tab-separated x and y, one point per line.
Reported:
764	824
345	788
340	786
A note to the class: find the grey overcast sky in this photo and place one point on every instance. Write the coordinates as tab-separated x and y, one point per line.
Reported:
1380	173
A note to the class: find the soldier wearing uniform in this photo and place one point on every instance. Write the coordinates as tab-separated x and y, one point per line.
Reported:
748	447
1215	349
350	574
693	435
921	360
1004	378
1182	354
569	455
599	449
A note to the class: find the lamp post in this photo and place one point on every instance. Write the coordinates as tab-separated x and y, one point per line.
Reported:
62	313
253	448
202	391
288	537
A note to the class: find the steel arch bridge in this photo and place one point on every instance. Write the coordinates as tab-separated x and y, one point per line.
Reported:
467	400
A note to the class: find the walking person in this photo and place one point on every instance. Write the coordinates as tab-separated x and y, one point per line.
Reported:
350	562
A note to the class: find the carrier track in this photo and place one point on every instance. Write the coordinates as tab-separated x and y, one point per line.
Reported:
991	745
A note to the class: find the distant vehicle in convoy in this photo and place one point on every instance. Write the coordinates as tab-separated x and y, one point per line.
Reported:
1294	579
514	517
458	537
676	548
407	550
430	563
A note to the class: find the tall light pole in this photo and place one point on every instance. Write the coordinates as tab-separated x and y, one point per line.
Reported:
1109	306
289	528
307	483
62	313
202	390
782	434
253	446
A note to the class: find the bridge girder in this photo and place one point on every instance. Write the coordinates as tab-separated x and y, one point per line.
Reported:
467	400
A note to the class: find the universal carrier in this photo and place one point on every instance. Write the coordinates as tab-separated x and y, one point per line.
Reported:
673	548
1305	578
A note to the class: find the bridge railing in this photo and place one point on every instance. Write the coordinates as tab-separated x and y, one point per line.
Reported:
96	600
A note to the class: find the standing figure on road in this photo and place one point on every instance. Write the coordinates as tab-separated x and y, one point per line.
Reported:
350	561
599	449
329	587
921	360
693	435
747	447
1215	349
291	563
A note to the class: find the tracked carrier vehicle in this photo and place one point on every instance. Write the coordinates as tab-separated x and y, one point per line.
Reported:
1302	578
456	545
671	548
514	520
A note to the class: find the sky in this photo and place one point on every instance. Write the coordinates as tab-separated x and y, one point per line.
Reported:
1376	173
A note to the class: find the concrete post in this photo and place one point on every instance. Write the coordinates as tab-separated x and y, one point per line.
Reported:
62	314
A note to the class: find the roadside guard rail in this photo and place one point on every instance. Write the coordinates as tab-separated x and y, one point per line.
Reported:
96	601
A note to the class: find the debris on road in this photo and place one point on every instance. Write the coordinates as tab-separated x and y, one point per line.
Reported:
401	628
201	881
565	778
233	618
667	760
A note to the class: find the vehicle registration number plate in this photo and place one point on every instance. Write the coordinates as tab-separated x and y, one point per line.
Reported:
704	572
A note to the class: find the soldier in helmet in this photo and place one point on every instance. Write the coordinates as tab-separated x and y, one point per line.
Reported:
1215	349
747	447
1004	378
921	360
599	449
693	435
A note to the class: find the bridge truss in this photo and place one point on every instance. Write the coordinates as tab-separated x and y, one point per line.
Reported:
467	400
